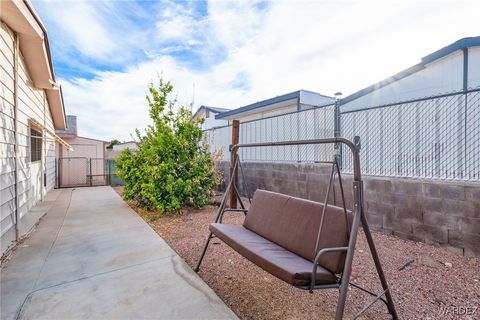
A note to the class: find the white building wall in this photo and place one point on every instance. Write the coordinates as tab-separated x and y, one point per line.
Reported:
291	107
211	122
428	138
442	76
32	104
474	67
218	141
314	99
126	145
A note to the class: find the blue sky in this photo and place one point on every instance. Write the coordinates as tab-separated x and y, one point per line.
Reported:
231	53
122	33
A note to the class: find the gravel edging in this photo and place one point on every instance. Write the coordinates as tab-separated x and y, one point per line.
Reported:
436	285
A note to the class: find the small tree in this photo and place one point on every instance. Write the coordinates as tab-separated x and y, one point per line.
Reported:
171	168
113	143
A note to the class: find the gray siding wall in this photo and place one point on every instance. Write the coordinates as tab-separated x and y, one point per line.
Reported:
32	104
439	213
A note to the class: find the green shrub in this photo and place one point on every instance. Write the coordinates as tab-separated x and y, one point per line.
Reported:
171	168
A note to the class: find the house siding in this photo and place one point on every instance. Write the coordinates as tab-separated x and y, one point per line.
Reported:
7	136
32	104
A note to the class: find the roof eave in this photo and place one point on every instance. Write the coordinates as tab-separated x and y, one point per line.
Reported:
259	105
23	20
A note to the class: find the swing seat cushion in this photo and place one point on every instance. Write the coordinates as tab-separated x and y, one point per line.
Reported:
293	223
271	257
279	235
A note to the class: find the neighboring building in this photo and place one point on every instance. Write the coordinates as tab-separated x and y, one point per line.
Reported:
70	130
453	68
81	146
113	152
84	164
132	145
209	114
290	102
31	108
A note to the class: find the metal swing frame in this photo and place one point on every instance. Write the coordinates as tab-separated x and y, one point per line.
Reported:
343	281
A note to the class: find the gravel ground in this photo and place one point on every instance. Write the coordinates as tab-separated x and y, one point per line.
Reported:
429	288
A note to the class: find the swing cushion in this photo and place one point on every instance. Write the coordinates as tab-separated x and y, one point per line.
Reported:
293	224
279	234
269	256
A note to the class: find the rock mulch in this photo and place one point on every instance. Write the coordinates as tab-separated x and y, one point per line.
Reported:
427	282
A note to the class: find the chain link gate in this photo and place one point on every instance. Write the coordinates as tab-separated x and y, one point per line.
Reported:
73	172
98	172
85	172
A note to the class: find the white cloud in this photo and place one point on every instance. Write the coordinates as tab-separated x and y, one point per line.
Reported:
177	23
323	46
83	26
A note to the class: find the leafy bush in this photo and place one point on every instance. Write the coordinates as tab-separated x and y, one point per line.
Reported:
171	168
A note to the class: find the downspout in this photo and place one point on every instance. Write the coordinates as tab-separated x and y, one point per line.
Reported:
44	149
16	49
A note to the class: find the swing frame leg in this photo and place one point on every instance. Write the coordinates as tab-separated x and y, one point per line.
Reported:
204	250
378	266
220	212
218	218
347	269
359	217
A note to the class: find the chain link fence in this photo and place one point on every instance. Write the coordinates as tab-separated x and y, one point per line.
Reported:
83	172
435	138
302	125
315	122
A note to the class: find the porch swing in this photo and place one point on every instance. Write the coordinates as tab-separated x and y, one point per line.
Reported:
310	245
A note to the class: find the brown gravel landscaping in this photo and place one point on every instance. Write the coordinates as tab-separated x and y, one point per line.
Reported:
428	288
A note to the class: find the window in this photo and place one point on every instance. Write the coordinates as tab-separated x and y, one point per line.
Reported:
207	114
35	145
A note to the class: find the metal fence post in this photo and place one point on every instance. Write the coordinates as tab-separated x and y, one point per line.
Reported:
337	128
465	137
91	182
234	177
109	165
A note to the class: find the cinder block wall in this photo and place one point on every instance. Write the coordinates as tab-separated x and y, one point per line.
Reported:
439	213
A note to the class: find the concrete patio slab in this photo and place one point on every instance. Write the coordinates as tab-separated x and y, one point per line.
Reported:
93	257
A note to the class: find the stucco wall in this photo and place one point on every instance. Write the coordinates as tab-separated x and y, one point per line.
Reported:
32	104
439	213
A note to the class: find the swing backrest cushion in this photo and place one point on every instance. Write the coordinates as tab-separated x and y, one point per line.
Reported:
293	224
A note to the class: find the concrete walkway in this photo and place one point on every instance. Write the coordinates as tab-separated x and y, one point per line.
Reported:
92	257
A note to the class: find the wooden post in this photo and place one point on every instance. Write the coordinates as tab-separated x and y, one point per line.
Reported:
235	140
